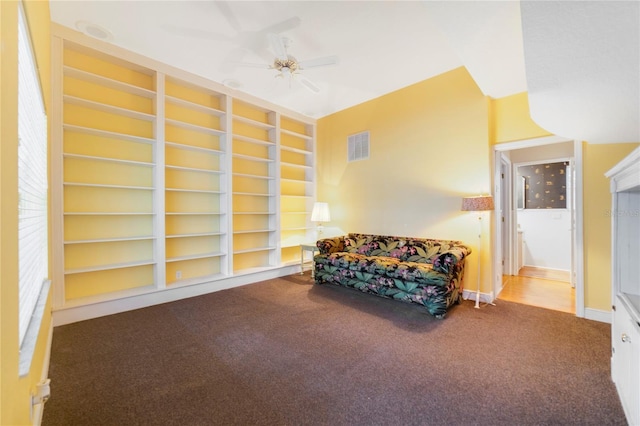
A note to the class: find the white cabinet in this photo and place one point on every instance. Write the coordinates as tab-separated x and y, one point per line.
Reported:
625	361
625	331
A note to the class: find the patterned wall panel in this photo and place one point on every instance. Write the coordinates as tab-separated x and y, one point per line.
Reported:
545	185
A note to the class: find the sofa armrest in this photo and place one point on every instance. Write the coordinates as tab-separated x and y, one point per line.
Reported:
446	262
330	245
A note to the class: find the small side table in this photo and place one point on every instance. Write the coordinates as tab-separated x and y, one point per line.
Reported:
312	248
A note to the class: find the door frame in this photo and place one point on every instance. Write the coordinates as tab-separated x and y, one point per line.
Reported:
577	213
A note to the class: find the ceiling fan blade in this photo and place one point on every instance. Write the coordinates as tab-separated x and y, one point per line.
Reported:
319	62
308	84
225	11
286	25
195	33
250	65
278	46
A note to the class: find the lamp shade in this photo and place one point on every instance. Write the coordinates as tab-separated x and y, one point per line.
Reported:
320	213
478	203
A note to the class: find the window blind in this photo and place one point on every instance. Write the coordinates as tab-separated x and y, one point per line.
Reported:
33	262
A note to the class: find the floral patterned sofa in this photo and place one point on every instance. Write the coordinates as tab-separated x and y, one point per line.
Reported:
415	270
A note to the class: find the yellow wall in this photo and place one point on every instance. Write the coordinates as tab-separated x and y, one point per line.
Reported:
597	160
15	391
428	149
510	120
430	145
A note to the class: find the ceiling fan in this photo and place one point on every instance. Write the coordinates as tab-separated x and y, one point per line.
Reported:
245	40
288	67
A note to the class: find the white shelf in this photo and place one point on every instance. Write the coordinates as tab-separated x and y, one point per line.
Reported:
194	106
254	249
193	213
203	234
252	194
179	145
195	280
108	267
201	191
195	127
253	213
109	160
254	231
109	214
110	240
194	169
255	123
108	108
108	134
299	166
107	186
194	256
296	150
295	180
256	159
254	176
253	140
296	134
108	82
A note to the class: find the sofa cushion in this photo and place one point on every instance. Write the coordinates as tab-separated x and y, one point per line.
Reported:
420	250
382	266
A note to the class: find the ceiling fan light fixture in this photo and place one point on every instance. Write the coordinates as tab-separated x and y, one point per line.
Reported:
290	63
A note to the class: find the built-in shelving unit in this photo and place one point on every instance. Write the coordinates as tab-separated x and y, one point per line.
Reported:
195	186
253	185
108	161
296	186
165	184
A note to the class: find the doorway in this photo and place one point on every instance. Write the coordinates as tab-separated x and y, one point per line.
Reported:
508	256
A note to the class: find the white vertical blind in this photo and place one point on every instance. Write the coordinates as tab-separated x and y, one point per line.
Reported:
33	265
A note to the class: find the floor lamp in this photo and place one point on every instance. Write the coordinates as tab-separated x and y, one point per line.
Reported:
478	204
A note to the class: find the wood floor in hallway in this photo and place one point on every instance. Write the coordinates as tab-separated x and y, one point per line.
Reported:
536	287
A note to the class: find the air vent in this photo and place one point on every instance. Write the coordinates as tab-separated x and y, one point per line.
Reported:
358	146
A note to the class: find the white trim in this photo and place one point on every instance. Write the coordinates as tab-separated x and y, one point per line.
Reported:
579	237
484	297
38	409
530	143
28	346
56	178
99	309
597	315
159	182
579	226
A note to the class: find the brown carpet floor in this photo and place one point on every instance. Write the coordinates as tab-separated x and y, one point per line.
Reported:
287	352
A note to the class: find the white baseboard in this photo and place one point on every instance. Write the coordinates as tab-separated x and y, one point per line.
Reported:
597	315
589	313
484	297
108	307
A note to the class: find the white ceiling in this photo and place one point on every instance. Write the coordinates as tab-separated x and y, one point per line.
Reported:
382	45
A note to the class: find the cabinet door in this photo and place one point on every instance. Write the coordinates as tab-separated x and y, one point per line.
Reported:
625	365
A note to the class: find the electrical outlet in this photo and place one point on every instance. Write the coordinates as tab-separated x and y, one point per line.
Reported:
178	275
